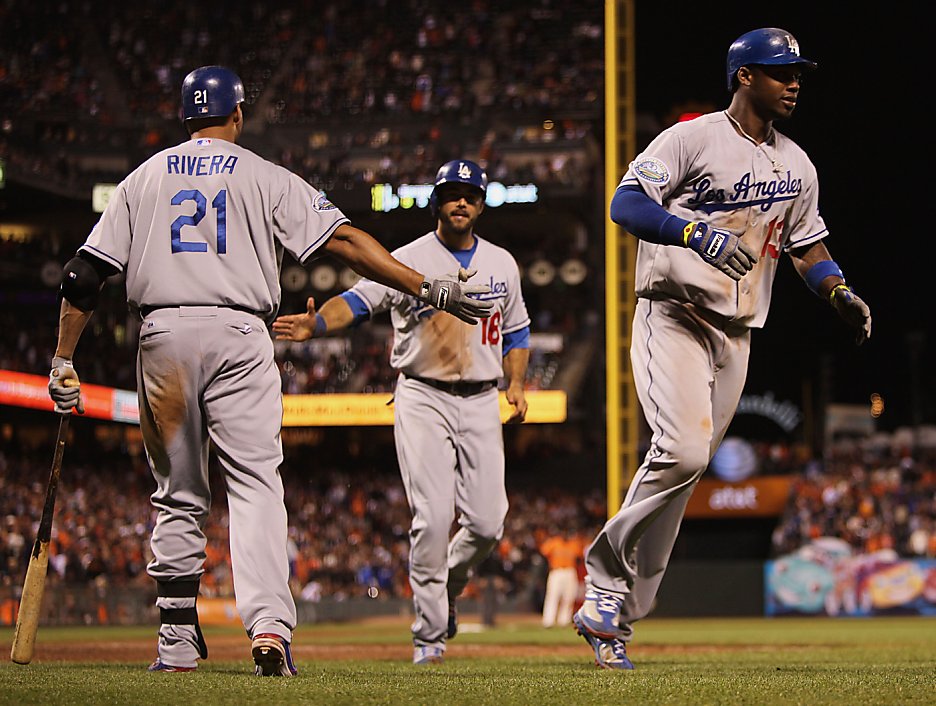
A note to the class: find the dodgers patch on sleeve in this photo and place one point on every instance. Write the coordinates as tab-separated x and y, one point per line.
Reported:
651	170
320	203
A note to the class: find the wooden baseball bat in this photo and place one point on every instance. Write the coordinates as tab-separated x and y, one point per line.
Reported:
27	620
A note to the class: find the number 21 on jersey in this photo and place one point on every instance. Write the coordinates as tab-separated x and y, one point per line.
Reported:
219	203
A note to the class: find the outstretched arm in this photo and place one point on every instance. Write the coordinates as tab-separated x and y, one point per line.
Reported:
363	254
334	315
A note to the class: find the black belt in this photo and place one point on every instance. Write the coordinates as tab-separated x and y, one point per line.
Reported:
462	388
147	310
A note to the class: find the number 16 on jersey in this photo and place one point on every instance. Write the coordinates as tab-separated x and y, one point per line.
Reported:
490	329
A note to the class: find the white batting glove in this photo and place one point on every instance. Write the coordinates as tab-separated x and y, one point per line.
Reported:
853	311
447	293
65	387
464	275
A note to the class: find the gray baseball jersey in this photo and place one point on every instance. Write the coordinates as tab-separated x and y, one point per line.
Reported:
691	336
205	222
449	444
767	195
433	345
200	230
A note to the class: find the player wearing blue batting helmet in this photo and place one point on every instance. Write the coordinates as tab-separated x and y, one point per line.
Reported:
458	171
768	46
211	92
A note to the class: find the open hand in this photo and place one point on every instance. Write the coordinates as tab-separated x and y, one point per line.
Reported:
296	327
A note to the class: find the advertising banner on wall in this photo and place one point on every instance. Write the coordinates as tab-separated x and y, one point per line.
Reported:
331	410
826	577
755	497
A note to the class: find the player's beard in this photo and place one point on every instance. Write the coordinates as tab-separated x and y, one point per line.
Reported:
459	229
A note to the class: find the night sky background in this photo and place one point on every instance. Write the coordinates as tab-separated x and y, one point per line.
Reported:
847	122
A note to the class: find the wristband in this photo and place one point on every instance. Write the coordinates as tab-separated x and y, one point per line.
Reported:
690	230
837	287
320	326
818	272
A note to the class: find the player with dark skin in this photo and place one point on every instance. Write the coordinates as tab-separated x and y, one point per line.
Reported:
765	94
715	201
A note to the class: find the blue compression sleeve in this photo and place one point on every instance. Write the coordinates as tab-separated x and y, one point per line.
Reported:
358	307
517	339
818	272
632	209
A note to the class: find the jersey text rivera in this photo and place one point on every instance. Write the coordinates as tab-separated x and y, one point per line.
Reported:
200	166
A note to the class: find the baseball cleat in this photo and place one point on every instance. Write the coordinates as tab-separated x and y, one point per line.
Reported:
159	666
609	654
599	613
427	654
272	656
452	629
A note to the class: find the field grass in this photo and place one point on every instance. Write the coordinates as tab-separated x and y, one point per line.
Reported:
698	661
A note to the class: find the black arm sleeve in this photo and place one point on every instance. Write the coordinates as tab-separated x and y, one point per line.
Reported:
103	269
82	280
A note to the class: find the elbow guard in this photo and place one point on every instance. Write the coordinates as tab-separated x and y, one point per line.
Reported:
81	284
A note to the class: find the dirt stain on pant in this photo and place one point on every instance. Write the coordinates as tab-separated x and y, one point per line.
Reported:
165	407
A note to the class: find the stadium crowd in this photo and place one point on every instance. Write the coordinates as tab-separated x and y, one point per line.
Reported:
80	80
348	530
349	520
884	499
355	362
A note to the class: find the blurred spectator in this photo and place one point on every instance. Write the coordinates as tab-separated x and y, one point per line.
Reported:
358	362
388	94
348	532
871	499
564	550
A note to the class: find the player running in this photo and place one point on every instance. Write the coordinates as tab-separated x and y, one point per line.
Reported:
714	202
200	229
447	426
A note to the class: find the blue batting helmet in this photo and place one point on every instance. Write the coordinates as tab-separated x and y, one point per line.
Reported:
767	46
211	92
458	171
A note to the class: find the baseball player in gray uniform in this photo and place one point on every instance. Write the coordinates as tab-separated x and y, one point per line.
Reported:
447	426
199	229
714	202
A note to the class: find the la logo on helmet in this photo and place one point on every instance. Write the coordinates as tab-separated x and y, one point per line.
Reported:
464	171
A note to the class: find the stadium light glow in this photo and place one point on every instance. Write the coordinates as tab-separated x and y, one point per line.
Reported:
385	198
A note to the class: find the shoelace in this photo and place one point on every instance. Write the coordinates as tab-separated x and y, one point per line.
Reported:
608	603
618	651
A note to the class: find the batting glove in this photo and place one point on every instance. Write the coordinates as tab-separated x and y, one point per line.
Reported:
447	293
853	310
722	250
462	275
65	387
